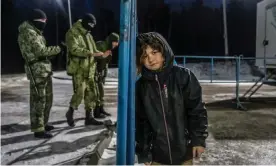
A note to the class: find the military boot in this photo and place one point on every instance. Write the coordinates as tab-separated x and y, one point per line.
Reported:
49	127
102	111
89	120
70	118
97	113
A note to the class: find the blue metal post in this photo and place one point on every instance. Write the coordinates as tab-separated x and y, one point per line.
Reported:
212	67
123	82
184	61
130	155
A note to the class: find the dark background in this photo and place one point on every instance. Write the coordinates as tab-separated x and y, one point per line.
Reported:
192	27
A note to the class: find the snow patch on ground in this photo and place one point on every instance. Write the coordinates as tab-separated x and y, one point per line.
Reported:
13	80
221	70
109	154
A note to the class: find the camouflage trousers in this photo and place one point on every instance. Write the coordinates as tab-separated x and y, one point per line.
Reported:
100	81
84	88
41	103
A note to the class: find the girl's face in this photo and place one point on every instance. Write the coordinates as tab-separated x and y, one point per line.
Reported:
153	59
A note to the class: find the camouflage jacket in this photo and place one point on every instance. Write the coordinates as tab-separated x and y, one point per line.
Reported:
80	44
102	63
33	48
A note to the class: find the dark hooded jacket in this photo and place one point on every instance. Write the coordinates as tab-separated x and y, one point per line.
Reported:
170	114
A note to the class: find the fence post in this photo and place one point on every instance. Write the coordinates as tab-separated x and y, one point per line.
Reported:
265	78
238	65
237	78
184	61
212	67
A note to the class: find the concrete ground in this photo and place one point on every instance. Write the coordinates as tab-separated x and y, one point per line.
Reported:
235	137
239	137
18	146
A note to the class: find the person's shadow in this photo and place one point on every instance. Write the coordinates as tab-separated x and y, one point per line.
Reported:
14	128
61	147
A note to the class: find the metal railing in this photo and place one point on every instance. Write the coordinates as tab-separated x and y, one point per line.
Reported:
238	60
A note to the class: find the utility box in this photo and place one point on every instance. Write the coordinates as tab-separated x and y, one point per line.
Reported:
266	34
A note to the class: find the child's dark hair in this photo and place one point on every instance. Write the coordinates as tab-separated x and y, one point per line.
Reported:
153	42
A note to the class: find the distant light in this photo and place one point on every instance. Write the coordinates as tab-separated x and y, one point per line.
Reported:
61	6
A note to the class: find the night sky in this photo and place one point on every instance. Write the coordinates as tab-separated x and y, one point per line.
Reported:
203	32
210	3
90	5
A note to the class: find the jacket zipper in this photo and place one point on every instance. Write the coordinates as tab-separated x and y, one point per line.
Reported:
164	116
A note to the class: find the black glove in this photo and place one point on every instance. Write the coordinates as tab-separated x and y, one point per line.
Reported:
62	46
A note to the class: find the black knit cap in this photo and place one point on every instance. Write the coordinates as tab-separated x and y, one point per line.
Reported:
37	14
88	17
87	20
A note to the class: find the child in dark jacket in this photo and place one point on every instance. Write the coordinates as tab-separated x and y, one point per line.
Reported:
171	119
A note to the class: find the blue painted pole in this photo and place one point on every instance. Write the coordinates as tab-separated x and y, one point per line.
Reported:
123	82
130	155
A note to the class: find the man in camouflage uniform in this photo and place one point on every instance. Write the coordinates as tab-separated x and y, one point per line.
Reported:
39	71
111	42
81	52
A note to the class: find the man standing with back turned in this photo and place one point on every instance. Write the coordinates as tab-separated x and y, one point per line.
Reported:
81	66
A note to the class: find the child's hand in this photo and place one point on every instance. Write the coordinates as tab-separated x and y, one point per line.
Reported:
197	151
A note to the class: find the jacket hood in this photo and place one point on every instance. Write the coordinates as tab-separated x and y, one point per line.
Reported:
168	54
77	25
27	26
